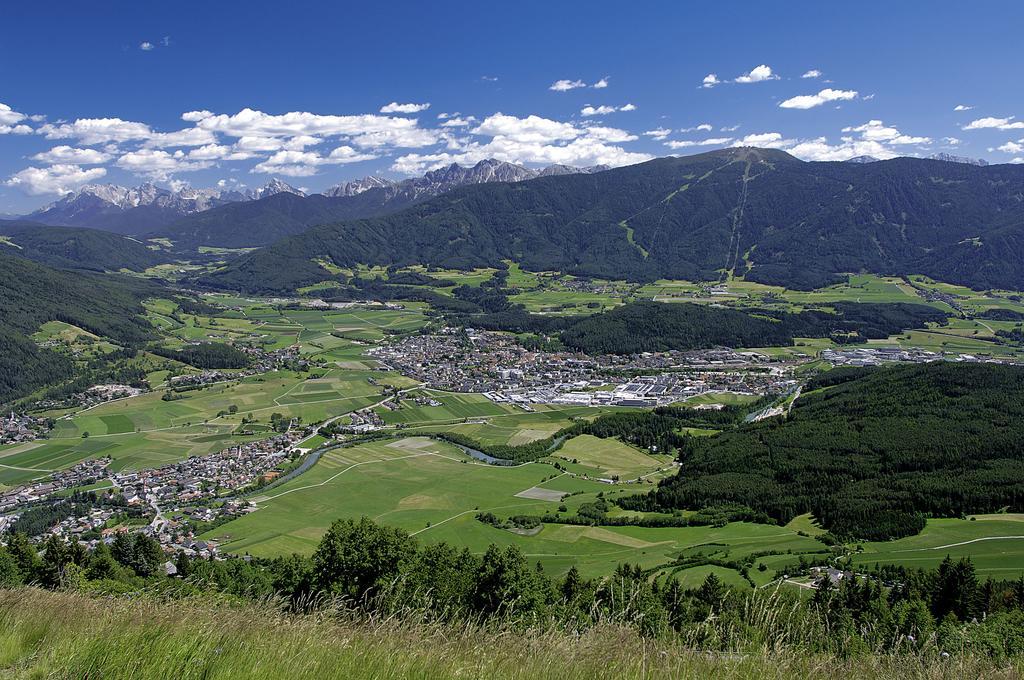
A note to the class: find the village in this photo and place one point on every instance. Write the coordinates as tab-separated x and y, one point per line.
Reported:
495	365
168	503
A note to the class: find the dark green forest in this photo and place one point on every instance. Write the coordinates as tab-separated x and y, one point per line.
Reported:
801	225
34	294
870	452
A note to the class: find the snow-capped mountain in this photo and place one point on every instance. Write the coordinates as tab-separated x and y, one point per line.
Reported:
149	209
141	208
443	180
950	158
358	186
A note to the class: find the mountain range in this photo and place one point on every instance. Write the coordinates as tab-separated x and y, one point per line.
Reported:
757	213
139	210
221	217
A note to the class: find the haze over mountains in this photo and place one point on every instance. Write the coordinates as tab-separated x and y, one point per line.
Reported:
758	213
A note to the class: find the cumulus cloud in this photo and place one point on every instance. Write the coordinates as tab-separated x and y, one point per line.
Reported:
395	107
566	85
58	179
146	46
729	128
589	110
90	131
20	129
658	133
710	80
306	163
877	131
809	101
159	164
371	128
962	107
820	150
187	137
686	143
458	122
219	152
9	116
1012	147
601	84
813	73
703	127
64	154
995	123
534	140
757	74
766	140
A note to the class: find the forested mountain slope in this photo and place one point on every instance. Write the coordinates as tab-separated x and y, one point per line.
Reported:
759	213
870	452
77	247
33	294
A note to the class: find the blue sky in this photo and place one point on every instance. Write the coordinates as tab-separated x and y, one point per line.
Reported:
236	93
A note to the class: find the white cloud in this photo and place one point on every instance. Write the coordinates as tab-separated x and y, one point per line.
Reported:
1012	147
159	164
196	116
813	73
69	155
530	130
710	80
995	123
395	107
306	163
686	143
91	131
9	116
249	122
757	74
962	107
809	101
533	140
146	46
952	141
658	133
703	127
820	150
489	79
604	109
219	152
20	129
187	137
601	84
729	128
1018	159
611	135
877	131
566	85
59	179
458	122
767	140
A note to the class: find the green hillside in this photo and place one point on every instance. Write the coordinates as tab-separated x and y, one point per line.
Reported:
870	452
34	294
756	213
77	247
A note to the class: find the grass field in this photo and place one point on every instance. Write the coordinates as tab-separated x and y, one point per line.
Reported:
433	491
994	542
610	458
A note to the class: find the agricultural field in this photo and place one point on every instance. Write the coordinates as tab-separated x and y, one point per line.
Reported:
994	542
609	458
432	490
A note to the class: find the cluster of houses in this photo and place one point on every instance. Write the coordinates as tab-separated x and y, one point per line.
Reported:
21	427
874	356
173	497
495	365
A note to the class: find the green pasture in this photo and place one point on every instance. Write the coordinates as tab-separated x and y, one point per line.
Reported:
995	543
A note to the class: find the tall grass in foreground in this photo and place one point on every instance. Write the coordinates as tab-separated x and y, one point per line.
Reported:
67	635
